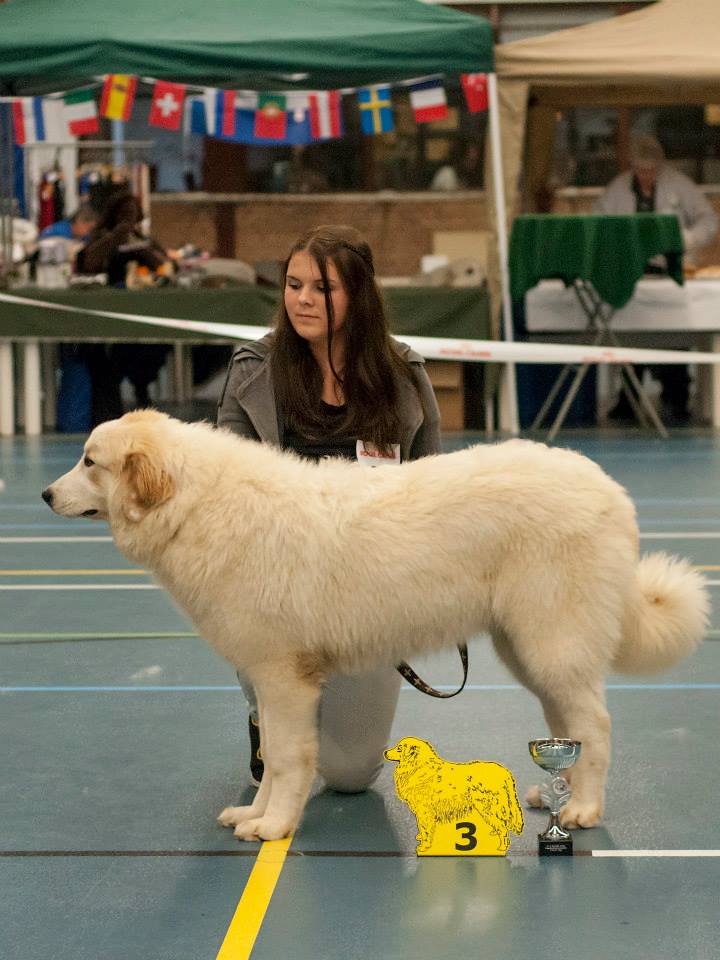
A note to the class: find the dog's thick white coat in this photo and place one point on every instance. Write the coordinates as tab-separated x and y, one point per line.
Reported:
293	570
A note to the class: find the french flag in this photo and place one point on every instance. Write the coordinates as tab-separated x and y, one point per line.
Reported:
428	101
325	114
28	120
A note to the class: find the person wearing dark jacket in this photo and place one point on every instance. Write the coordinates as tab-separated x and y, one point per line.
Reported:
116	242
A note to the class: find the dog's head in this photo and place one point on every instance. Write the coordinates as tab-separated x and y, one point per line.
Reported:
125	470
411	751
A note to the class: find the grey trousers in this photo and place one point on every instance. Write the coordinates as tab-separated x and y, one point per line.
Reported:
355	717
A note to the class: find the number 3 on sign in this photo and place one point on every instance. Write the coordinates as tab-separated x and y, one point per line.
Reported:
467	830
439	793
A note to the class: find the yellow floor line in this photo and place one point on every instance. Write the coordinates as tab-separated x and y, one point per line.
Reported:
250	913
70	573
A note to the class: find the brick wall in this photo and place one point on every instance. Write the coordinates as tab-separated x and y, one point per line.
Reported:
255	227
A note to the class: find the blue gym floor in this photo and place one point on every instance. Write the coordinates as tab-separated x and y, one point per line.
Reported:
123	736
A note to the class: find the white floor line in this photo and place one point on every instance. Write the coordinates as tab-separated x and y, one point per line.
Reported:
711	535
55	539
81	586
656	853
694	535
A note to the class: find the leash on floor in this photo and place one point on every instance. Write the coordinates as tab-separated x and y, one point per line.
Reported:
409	674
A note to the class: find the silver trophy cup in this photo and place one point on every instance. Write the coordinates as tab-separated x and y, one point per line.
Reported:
553	755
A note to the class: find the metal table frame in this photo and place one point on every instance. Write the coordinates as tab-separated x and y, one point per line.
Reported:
599	314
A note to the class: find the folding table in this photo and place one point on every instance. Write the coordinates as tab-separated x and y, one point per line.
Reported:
601	258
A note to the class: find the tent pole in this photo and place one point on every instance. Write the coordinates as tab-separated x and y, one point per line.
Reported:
508	390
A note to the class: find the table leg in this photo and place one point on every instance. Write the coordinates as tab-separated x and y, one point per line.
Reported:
49	353
645	401
715	383
31	392
7	389
569	397
633	400
489	404
548	402
179	369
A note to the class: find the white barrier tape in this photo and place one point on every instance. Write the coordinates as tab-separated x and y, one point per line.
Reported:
432	348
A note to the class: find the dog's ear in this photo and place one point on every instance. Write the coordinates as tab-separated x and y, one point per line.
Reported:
146	481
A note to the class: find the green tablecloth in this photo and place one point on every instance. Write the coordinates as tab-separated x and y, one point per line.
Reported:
609	251
461	312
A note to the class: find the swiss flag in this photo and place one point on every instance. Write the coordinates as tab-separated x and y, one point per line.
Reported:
167	105
475	89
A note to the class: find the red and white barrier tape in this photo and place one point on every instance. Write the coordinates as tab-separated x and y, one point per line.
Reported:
432	348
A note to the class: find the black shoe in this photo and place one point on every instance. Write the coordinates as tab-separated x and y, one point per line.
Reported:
257	767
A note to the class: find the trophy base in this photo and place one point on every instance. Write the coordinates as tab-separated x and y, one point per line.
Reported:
554	847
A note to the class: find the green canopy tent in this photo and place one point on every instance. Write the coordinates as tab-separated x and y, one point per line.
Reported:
52	45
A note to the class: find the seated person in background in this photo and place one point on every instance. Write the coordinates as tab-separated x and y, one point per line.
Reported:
117	240
77	227
114	243
651	185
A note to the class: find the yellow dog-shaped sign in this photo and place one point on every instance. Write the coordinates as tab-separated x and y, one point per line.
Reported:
461	808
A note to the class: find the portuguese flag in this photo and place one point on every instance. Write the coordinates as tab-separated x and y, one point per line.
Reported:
271	117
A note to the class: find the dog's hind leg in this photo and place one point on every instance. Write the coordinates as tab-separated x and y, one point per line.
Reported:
289	702
583	716
568	680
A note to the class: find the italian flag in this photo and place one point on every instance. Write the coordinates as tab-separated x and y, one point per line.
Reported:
80	112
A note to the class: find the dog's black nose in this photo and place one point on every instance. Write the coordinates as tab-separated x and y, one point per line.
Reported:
47	496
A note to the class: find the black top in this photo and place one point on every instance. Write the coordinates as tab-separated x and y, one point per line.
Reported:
643	203
343	447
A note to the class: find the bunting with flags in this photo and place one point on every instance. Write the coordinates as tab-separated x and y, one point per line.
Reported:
376	114
38	120
325	114
80	112
118	96
28	120
203	112
166	109
428	101
265	119
475	89
271	117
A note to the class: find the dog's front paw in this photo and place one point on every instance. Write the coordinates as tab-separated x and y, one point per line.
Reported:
577	813
232	816
263	828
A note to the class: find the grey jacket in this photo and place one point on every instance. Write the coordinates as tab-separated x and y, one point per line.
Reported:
674	193
247	403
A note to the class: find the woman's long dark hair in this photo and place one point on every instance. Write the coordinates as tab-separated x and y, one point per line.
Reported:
373	367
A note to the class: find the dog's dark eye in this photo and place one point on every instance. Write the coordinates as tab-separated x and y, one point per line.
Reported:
88	462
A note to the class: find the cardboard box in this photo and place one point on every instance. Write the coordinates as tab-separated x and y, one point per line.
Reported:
446	378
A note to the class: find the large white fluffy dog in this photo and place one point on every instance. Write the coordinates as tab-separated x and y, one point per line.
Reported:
293	570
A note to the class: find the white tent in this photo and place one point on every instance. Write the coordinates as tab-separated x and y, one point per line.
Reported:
666	53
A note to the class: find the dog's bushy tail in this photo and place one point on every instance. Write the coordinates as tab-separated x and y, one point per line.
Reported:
666	615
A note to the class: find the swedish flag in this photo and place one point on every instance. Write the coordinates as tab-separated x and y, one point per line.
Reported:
376	114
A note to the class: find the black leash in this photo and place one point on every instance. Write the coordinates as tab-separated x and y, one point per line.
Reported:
409	674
